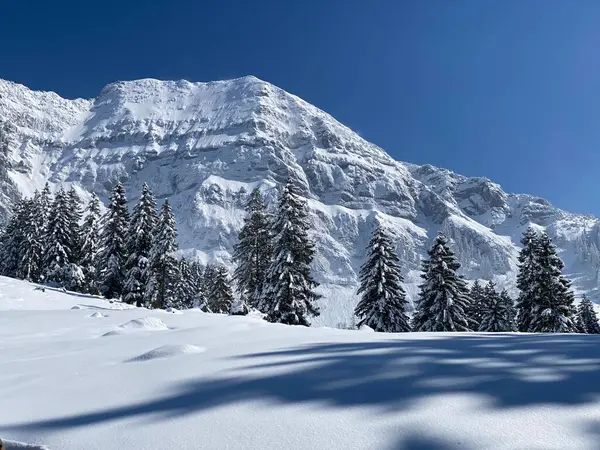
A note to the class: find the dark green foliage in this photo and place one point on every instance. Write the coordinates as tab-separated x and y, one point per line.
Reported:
588	317
138	245
497	315
290	297
525	280
90	245
58	253
383	303
113	255
253	252
553	299
478	304
220	297
444	296
163	266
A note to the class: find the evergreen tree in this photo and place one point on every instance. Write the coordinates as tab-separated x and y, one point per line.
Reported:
185	287
45	201
138	244
511	310
160	290
113	256
74	214
525	279
253	253
497	315
198	284
553	299
588	316
478	304
90	245
444	296
203	299
383	304
58	252
11	241
290	296
31	246
220	297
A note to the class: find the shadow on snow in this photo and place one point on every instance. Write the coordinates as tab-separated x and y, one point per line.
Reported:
510	370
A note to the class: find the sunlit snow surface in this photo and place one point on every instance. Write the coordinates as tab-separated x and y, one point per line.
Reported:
203	381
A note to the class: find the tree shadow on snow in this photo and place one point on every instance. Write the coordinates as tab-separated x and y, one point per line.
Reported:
509	370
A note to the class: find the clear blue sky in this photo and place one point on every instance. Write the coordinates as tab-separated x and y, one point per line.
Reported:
507	89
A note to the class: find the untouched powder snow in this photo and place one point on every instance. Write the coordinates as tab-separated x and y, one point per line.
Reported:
219	382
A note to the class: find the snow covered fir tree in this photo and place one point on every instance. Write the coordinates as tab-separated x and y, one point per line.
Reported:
162	265
290	295
587	317
253	252
138	245
546	302
498	312
443	300
113	255
383	305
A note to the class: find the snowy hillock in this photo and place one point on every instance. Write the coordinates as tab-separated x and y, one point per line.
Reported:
205	146
237	382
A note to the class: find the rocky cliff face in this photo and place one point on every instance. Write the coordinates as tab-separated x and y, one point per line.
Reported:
205	146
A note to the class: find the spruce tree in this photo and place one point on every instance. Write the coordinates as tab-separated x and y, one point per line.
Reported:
383	303
74	213
198	284
290	297
511	310
220	297
497	315
58	252
552	297
90	245
163	266
113	256
253	252
45	202
588	316
185	286
32	244
444	296
10	241
525	279
138	244
203	299
477	306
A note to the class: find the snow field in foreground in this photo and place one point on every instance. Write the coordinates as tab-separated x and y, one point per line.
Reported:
204	381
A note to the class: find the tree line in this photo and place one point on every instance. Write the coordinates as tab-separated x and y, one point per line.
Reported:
445	302
132	256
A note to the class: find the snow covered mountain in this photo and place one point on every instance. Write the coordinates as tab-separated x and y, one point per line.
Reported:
206	145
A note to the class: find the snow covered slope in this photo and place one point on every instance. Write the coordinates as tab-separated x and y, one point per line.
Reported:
100	377
206	145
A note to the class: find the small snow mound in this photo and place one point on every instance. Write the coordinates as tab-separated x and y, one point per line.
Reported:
113	333
167	351
173	311
14	445
366	328
145	323
76	307
97	314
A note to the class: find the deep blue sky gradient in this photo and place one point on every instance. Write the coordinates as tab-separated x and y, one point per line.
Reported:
507	89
